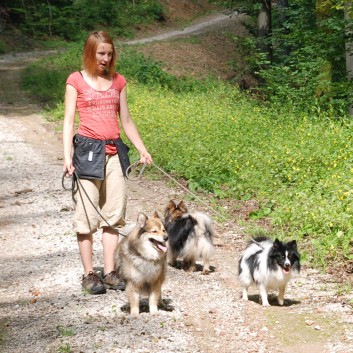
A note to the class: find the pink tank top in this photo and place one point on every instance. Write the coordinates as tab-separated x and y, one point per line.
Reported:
98	110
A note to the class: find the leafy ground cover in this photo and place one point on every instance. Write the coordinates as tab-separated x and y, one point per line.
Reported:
299	170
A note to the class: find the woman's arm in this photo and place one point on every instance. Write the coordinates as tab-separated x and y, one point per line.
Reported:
68	127
130	128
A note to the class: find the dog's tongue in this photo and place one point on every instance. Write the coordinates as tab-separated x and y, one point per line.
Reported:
162	247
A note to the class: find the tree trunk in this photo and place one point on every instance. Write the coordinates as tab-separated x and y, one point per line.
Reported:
283	8
323	11
50	19
265	28
349	46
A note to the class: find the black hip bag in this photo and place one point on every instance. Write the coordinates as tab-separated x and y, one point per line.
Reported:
89	156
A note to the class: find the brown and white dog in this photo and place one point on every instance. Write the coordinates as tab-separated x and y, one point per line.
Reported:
141	261
190	236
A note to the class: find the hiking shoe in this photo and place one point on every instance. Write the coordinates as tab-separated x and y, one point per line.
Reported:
93	284
112	281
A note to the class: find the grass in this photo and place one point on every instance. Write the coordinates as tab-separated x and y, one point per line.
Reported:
2	47
3	332
300	332
65	348
66	331
299	168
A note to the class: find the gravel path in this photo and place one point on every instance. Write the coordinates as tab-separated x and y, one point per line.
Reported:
42	307
209	22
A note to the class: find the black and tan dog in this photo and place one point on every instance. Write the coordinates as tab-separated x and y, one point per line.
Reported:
141	261
190	236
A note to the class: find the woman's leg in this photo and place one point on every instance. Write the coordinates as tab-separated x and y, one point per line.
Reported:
85	220
110	241
113	207
85	224
90	280
85	244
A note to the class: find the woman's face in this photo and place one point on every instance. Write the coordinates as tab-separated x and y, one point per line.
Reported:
104	54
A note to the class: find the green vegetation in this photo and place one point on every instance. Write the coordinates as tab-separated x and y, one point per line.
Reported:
65	348
301	57
72	19
298	166
300	330
66	331
2	47
3	332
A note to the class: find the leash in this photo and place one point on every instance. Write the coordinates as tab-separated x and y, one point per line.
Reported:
76	180
139	175
129	171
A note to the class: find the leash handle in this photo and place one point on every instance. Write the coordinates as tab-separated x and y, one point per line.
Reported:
129	170
73	182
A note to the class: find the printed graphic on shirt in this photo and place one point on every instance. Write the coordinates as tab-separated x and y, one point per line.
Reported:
106	104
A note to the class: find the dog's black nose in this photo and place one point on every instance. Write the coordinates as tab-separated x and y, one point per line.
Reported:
165	238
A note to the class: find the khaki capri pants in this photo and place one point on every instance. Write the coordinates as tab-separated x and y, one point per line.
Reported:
108	195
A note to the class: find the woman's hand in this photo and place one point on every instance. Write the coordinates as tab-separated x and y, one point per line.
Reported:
68	168
145	157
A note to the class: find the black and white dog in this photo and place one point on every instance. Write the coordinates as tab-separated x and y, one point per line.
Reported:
190	236
269	265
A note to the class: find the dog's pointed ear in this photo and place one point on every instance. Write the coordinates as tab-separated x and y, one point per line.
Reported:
182	207
293	244
171	205
193	220
156	215
141	219
276	244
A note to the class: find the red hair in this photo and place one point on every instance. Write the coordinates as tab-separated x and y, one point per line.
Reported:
89	53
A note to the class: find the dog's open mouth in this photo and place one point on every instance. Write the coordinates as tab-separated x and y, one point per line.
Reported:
159	245
286	269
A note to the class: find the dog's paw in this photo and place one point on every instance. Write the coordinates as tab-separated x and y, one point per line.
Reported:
153	311
135	312
245	295
189	268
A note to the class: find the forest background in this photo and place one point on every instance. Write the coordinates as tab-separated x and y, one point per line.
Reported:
267	142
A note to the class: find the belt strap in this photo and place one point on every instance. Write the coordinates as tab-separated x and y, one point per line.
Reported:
106	142
109	142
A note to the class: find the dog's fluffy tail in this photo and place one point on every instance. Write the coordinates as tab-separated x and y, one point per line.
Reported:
204	235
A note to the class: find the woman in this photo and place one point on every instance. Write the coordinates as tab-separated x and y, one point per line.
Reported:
99	95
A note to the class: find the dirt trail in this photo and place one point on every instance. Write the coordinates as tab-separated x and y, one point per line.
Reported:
210	22
42	308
